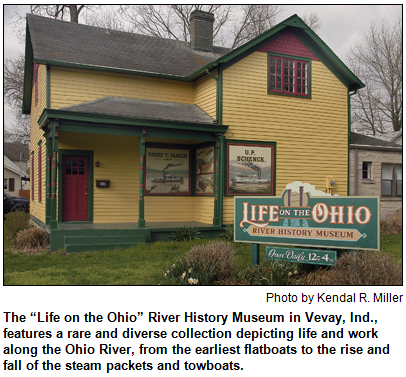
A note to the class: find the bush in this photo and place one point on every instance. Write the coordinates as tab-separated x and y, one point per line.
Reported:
394	225
190	273
228	232
32	238
366	268
15	222
270	273
186	234
219	255
203	264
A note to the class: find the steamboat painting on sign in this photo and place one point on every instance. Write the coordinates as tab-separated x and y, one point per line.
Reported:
205	170
167	171
299	218
250	169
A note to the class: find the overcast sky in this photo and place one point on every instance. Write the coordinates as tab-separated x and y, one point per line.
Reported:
342	25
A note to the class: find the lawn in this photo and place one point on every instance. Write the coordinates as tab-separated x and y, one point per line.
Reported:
139	265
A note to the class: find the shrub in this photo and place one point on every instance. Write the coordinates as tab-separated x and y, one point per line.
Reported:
394	225
32	238
15	222
186	234
190	273
270	273
366	268
219	255
228	232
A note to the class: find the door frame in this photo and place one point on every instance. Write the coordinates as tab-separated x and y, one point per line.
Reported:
71	152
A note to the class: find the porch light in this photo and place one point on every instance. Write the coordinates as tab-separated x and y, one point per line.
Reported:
97	164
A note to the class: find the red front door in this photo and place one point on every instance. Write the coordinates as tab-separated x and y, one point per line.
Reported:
75	188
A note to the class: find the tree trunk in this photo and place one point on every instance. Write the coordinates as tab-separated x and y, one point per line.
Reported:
74	14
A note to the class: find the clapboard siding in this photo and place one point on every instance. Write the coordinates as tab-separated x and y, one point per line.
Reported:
37	209
72	86
205	95
311	133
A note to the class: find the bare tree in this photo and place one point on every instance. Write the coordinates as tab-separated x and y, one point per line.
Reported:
378	63
312	20
255	20
13	84
59	12
171	21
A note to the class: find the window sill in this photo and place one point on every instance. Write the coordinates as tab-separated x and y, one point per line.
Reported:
367	181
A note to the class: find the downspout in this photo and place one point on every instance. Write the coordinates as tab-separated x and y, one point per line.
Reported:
349	138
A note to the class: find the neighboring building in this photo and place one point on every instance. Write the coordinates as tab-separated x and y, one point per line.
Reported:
135	135
19	154
392	137
14	179
376	169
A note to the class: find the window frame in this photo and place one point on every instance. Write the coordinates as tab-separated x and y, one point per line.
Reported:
393	180
39	173
296	59
368	170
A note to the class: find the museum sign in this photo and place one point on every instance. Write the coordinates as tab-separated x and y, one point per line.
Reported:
303	220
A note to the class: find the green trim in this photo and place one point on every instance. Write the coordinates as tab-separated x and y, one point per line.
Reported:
349	141
48	182
141	214
28	73
221	180
239	141
293	57
219	100
72	152
49	114
48	90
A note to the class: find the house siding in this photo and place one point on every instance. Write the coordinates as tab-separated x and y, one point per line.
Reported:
73	86
206	93
37	209
372	187
311	133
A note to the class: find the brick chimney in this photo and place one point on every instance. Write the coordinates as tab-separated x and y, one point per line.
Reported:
201	30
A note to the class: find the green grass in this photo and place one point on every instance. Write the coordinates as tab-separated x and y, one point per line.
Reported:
392	243
139	265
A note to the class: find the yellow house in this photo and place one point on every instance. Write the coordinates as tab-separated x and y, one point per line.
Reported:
134	136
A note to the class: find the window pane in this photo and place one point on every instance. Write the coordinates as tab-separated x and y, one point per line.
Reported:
279	70
273	61
387	171
81	163
272	86
286	71
68	171
278	78
273	78
292	80
286	79
75	170
299	73
286	62
68	162
299	65
399	185
398	172
387	188
299	89
292	72
75	163
273	69
81	171
279	62
278	86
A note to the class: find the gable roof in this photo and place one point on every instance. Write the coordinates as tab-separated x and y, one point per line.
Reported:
13	150
55	42
9	165
368	142
145	109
